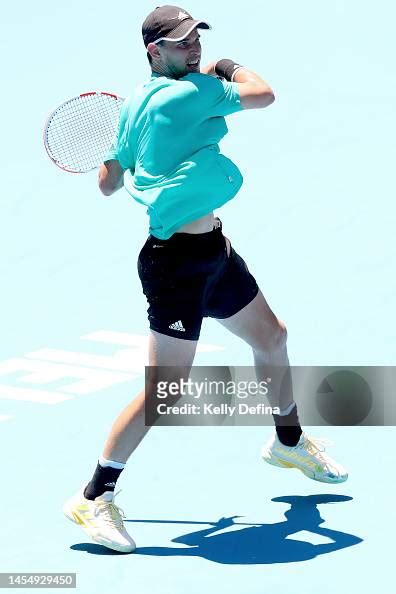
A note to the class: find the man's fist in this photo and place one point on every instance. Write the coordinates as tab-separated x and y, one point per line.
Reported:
209	69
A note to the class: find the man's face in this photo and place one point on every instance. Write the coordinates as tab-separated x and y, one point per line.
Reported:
178	58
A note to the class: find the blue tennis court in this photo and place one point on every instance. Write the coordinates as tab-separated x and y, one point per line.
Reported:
315	222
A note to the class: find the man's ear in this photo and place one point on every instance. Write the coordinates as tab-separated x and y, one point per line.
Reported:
153	50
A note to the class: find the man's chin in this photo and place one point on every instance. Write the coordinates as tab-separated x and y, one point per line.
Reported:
193	68
189	70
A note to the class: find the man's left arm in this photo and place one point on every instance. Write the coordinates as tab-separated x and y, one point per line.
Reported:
111	177
244	89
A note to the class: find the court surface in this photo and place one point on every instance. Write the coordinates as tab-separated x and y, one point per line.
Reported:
314	221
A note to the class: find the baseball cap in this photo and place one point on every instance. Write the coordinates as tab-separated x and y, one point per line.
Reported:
171	23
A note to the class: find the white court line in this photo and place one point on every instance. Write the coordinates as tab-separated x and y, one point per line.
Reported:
32	395
44	372
93	372
129	360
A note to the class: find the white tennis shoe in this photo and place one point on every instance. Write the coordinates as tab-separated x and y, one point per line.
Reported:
101	519
308	456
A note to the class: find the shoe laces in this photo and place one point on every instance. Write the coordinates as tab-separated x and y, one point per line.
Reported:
316	447
110	512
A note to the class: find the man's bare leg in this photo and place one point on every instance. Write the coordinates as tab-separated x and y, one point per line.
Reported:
129	429
258	326
93	506
261	329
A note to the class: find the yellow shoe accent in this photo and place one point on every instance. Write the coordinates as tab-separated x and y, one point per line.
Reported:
308	456
101	519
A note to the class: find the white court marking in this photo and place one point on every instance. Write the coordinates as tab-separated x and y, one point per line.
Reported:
44	372
32	395
93	372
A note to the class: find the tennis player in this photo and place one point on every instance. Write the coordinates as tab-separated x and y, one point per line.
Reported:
168	158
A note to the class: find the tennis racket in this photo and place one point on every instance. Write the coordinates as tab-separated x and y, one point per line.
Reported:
79	133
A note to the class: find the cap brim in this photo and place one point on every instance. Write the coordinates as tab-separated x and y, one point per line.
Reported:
184	29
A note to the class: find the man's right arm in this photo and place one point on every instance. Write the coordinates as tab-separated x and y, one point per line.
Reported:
111	177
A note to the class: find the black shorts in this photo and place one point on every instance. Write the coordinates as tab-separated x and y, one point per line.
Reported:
190	276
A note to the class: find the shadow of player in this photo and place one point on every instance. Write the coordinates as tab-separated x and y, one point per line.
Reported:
265	543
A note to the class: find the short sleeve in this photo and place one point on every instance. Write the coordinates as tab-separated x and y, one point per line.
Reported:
215	96
112	153
226	98
115	150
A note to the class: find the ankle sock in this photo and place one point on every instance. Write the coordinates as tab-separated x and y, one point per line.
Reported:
104	479
104	462
288	427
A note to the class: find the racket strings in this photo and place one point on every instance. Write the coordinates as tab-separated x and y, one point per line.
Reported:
80	132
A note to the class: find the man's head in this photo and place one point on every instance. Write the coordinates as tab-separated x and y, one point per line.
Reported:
172	41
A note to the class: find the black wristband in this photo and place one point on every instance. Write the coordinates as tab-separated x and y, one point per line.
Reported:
227	68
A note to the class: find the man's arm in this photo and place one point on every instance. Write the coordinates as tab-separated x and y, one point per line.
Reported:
254	91
111	177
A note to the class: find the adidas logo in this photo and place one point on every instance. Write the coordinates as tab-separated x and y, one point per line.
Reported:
177	326
110	485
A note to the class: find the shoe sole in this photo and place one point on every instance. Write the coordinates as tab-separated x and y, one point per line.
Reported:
309	473
76	519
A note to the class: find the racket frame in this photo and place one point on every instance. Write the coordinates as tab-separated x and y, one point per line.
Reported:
51	115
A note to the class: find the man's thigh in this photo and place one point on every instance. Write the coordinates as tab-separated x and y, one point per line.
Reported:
170	362
167	350
256	324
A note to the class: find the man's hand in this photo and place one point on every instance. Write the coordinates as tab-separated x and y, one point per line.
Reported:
225	522
209	69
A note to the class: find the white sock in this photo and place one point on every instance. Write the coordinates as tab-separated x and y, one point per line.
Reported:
104	462
287	410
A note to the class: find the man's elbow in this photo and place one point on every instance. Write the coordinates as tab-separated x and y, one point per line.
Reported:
257	97
110	179
266	97
104	181
106	188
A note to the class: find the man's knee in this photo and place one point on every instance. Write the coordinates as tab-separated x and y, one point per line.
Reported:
279	338
282	330
275	340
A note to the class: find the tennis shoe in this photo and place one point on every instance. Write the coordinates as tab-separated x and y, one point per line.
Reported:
308	456
101	519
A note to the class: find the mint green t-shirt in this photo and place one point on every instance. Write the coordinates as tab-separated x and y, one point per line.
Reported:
167	142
